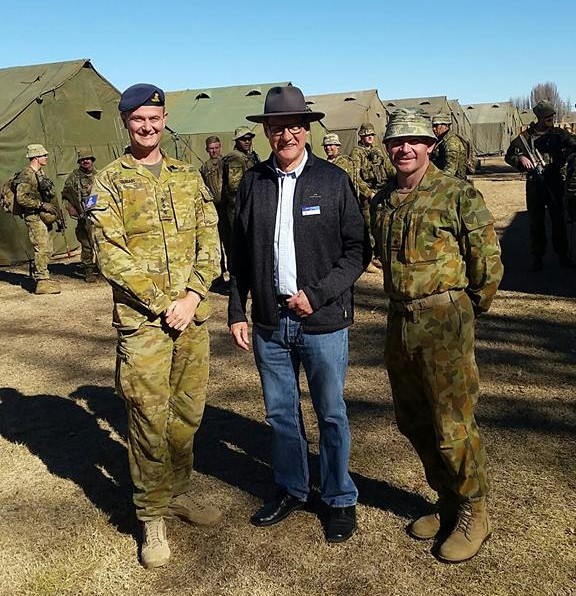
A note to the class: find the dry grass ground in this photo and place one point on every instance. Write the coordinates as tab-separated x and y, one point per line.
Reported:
66	520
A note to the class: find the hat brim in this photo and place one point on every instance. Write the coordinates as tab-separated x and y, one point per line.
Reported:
310	116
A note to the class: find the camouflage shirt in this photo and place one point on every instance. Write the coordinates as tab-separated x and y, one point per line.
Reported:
77	188
234	164
155	237
373	169
440	237
28	193
211	171
346	163
450	155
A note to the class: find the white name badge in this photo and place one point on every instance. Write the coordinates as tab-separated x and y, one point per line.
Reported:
313	210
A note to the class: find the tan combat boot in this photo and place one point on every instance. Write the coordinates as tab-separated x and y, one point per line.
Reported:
155	550
472	530
428	526
47	286
187	508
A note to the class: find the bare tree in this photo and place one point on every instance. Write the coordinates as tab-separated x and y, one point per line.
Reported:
548	91
522	103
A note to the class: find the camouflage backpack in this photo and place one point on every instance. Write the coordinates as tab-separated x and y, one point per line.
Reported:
8	201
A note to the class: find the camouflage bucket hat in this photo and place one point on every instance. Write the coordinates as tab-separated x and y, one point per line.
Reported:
409	122
242	131
35	150
442	119
331	139
85	153
366	129
543	109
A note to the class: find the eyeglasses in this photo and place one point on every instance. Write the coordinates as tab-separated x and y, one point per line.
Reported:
293	129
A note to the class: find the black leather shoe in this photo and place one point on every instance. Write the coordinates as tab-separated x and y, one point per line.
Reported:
275	511
340	523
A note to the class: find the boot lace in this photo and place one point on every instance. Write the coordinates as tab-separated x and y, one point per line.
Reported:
154	533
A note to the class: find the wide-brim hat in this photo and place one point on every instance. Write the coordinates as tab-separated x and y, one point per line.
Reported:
544	109
285	101
35	150
242	131
409	122
85	153
442	119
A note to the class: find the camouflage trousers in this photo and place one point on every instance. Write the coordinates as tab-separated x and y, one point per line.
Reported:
41	241
434	378
86	251
162	376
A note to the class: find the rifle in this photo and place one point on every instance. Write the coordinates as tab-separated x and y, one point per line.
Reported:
47	193
535	157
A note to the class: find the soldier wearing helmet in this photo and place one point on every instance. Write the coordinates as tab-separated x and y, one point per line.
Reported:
373	170
74	194
331	144
441	256
451	152
234	165
34	194
541	152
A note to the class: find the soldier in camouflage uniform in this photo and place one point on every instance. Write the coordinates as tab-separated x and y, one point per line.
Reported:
234	164
155	230
34	194
373	170
442	267
74	194
332	144
450	153
550	145
211	172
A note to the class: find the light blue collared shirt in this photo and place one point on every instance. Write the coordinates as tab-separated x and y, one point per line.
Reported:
285	274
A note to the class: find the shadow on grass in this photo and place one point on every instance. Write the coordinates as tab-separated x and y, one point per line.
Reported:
72	445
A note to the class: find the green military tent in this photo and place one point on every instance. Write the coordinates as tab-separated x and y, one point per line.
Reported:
194	114
345	112
494	125
63	106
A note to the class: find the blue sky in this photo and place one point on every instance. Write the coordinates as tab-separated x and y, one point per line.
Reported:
477	51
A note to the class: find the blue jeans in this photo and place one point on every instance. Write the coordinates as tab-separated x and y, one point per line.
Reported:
324	356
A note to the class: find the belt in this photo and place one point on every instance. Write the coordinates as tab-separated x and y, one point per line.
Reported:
424	303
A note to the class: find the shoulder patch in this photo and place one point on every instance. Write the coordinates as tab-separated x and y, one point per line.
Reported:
91	202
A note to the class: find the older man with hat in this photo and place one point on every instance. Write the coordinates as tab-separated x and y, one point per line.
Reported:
541	152
234	165
155	229
35	195
297	249
451	152
74	194
441	256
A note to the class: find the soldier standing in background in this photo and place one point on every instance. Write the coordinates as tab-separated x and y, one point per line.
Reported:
34	194
74	194
155	229
332	144
441	259
211	171
373	170
541	151
234	164
450	153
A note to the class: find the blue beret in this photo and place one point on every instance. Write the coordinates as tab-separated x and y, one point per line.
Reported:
141	94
